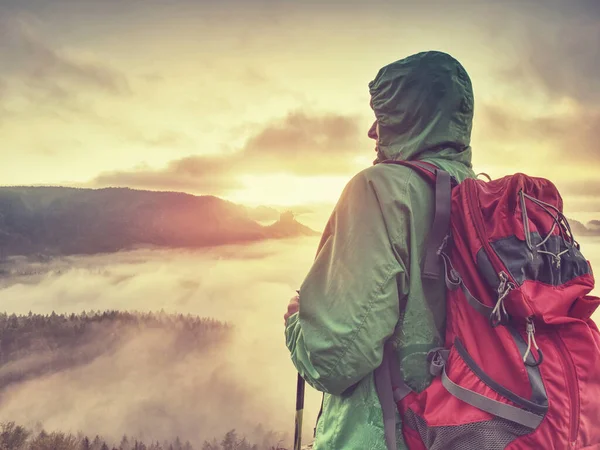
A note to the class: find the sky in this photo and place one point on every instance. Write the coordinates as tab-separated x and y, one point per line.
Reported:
266	101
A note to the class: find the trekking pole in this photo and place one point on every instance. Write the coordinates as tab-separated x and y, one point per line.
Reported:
299	411
300	384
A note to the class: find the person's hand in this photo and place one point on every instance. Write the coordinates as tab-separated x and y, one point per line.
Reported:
292	308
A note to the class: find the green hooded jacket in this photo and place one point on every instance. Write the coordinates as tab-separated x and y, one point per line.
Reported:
365	284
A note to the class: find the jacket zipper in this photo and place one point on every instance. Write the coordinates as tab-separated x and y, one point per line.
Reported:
572	390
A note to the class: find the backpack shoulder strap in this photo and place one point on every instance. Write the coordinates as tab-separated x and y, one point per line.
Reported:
389	384
444	183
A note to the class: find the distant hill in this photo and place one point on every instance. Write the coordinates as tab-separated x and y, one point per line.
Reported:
263	213
579	229
59	220
288	226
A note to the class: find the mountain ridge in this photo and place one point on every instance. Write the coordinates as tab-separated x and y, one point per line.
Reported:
60	220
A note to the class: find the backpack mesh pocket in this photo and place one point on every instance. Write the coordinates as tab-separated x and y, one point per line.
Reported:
494	434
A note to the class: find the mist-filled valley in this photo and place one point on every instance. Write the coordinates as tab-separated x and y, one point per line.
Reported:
195	351
157	378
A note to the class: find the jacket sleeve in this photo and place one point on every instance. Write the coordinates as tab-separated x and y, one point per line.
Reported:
349	301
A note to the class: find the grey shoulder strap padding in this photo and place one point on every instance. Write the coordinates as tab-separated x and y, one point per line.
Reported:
441	225
499	409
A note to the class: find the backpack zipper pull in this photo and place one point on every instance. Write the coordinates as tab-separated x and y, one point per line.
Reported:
499	314
530	328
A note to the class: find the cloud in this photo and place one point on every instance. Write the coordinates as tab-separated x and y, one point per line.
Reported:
306	145
299	133
200	174
3	95
52	70
183	103
573	135
554	61
559	53
53	88
581	188
298	144
560	146
546	104
169	139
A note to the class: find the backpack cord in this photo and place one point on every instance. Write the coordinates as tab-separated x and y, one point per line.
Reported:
558	219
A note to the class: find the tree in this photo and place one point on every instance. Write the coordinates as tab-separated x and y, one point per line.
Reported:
177	445
243	445
124	443
53	441
214	445
97	444
229	442
85	444
139	446
12	437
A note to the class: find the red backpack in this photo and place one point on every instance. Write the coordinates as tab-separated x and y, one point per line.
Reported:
521	364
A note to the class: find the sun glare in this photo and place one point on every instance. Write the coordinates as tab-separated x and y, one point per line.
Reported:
289	190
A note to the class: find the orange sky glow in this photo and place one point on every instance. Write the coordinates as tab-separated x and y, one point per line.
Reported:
266	102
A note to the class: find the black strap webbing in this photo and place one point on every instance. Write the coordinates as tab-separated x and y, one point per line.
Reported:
440	227
441	221
383	386
391	389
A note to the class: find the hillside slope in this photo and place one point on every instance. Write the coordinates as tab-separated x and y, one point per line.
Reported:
58	220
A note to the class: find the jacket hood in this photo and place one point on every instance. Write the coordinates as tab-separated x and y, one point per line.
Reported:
424	108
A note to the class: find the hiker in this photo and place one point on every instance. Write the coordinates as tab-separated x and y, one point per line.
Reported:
466	307
365	285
